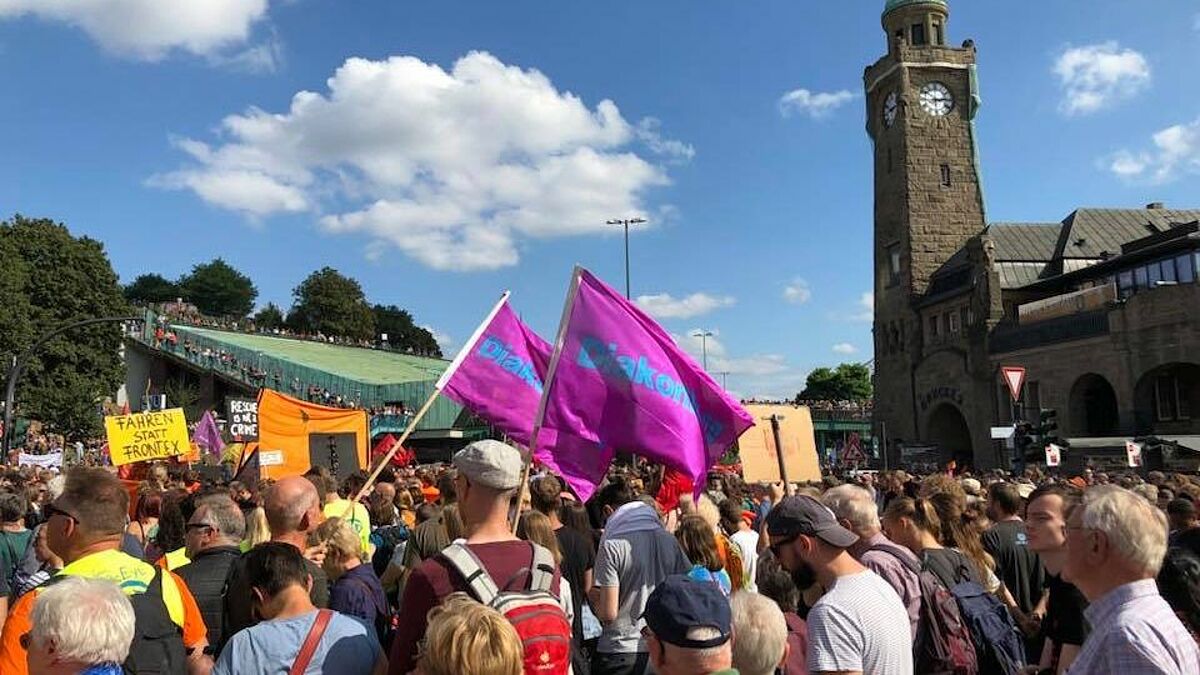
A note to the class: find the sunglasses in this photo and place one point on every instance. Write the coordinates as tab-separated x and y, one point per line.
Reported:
196	526
50	510
775	546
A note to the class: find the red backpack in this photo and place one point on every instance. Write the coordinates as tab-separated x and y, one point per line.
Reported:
534	612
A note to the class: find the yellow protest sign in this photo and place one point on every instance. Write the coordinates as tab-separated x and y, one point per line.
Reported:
148	435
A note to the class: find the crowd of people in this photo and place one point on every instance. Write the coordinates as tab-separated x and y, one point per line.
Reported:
872	573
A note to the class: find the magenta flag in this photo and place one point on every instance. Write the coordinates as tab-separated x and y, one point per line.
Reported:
618	381
498	374
207	435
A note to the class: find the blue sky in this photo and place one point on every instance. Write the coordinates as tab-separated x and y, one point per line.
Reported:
446	151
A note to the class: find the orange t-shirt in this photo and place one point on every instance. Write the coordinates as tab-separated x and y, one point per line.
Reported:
12	656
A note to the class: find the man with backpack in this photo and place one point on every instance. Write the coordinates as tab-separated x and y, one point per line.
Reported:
492	566
859	625
294	635
84	527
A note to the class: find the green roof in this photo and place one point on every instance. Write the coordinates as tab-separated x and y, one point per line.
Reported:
893	5
369	366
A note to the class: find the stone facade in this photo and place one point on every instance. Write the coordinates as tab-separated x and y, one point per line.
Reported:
928	201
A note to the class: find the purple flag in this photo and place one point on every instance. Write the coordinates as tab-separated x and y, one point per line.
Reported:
498	374
618	380
208	436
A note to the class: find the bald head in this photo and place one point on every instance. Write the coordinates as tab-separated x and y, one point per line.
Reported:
288	502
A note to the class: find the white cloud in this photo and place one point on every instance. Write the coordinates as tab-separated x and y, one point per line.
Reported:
150	29
446	343
664	306
845	348
862	311
454	168
814	104
1097	76
1176	150
761	376
261	59
649	132
797	292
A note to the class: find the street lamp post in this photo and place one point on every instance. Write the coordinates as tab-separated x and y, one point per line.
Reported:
18	365
626	222
703	335
724	383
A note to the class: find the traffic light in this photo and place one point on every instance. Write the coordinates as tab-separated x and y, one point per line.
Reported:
1048	426
1022	440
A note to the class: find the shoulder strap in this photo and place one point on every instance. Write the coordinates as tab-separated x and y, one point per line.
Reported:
468	565
311	641
915	568
541	573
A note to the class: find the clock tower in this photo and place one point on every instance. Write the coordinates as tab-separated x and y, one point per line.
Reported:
921	99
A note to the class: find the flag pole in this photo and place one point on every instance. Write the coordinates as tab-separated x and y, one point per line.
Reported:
523	488
412	424
437	389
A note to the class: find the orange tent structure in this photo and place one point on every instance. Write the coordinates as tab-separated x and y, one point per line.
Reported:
293	435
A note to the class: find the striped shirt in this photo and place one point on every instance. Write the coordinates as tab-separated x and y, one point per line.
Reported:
860	625
1134	631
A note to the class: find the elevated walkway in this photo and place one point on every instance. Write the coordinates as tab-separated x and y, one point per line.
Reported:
324	373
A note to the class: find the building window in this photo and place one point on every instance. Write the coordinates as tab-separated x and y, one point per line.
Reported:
954	325
1154	274
1170	401
918	34
938	37
893	257
1168	271
945	175
1140	276
933	328
1185	266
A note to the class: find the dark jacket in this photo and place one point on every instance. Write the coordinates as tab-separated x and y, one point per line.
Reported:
206	576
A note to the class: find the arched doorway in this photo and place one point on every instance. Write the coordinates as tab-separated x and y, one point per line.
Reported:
1093	407
1167	400
947	429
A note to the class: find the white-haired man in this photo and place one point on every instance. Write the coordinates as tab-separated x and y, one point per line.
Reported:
856	511
79	625
1116	541
761	647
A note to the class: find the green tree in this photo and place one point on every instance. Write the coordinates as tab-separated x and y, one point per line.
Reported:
217	289
152	288
269	317
63	279
330	303
847	382
402	333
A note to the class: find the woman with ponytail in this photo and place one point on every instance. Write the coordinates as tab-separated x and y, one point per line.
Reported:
914	524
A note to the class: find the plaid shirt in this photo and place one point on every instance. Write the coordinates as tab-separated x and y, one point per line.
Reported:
1135	631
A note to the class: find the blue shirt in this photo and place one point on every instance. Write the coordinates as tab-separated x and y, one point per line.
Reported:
358	593
1134	631
270	648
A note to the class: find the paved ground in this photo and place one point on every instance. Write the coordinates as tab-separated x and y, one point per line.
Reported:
369	366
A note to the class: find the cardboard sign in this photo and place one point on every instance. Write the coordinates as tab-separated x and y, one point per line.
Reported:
147	436
242	419
1053	455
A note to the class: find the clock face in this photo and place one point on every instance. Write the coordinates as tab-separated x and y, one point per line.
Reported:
936	99
890	106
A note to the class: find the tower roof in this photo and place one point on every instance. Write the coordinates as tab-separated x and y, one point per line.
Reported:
893	5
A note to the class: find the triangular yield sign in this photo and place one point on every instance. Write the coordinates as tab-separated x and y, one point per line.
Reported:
1014	377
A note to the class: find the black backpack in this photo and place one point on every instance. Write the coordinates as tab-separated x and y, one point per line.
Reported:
157	647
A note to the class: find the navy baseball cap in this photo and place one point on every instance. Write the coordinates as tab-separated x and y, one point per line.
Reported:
800	514
680	604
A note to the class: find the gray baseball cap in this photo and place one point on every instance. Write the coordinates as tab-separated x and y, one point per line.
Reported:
491	463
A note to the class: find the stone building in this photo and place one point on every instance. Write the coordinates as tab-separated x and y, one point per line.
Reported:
1102	308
